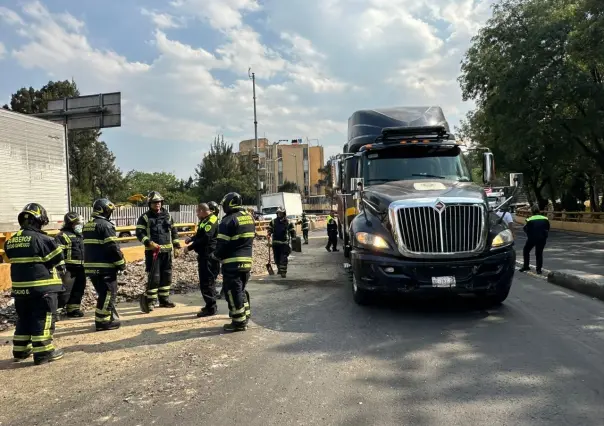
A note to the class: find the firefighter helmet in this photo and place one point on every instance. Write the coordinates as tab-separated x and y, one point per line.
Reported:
34	214
103	207
213	205
231	201
154	197
72	218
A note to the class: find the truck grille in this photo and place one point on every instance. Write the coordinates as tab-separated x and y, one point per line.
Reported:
456	229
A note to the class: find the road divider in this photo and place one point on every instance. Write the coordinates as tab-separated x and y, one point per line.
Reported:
579	281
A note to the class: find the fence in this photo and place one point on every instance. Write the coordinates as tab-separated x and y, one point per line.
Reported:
577	217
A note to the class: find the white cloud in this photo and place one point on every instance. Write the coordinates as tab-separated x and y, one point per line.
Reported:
316	61
2	50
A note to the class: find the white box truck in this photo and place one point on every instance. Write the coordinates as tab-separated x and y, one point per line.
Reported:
292	202
34	168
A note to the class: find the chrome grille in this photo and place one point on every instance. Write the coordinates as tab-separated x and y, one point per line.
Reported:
456	229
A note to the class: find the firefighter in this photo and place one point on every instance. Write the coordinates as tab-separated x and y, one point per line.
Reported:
305	227
204	244
103	259
74	282
537	231
156	231
332	232
280	230
234	249
36	269
215	263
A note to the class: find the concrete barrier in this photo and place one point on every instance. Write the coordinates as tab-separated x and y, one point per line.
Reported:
581	282
585	227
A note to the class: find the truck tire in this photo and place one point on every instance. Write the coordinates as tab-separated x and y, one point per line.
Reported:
124	234
494	300
361	297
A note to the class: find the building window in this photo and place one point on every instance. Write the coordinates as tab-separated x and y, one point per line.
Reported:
305	165
280	166
280	178
305	176
306	190
305	153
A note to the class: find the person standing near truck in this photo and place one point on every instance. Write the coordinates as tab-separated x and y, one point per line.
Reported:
213	205
305	227
537	231
280	231
332	232
74	282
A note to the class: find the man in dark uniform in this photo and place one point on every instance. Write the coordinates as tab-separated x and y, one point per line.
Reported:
74	282
204	244
103	258
36	265
537	231
332	232
305	227
280	230
213	261
156	231
234	249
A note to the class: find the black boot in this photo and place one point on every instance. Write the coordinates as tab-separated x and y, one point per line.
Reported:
106	326
207	312
235	326
23	356
55	355
166	303
77	313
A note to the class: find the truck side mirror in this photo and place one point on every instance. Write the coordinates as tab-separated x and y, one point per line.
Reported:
336	174
488	167
516	179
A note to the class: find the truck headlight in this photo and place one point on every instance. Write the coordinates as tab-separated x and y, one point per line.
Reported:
372	240
502	239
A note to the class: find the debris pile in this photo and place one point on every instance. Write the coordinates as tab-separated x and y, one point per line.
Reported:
131	283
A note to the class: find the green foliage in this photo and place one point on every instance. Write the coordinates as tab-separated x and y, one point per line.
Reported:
534	72
174	190
288	187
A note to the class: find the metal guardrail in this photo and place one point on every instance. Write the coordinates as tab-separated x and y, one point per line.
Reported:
577	217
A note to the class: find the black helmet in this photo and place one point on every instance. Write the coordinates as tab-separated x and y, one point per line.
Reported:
231	201
71	219
281	210
154	197
33	214
213	205
303	214
103	207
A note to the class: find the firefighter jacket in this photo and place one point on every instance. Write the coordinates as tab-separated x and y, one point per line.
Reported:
236	234
537	228
157	228
305	223
204	241
281	230
73	248
34	258
332	225
102	254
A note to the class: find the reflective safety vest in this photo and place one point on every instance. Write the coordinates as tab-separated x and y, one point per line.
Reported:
102	254
537	227
204	241
332	225
157	228
236	234
305	223
34	257
281	231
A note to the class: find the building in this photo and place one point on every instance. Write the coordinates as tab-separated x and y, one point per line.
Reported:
291	161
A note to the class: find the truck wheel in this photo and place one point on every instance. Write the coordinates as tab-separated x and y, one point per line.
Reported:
124	234
494	300
361	297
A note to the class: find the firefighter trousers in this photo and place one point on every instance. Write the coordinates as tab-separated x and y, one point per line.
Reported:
238	299
305	235
207	281
161	281
35	325
106	290
280	256
74	284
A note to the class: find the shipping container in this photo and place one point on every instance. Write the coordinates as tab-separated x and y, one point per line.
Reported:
34	168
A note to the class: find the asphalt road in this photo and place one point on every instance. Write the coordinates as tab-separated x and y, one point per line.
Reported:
568	250
313	357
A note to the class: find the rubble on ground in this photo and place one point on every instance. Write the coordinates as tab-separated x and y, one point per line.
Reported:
131	283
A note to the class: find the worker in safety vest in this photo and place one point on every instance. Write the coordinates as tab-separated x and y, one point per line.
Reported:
204	244
103	259
71	241
36	265
213	205
234	249
305	227
280	233
155	229
537	231
332	232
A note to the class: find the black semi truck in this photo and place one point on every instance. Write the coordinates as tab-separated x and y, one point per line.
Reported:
413	220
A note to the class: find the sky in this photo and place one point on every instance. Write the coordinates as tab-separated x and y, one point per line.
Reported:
182	65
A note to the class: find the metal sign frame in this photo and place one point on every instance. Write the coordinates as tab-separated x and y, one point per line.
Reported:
86	112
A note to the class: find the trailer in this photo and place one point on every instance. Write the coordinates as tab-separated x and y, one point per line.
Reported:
34	168
291	202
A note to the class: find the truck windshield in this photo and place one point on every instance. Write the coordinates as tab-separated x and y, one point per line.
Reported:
415	162
269	210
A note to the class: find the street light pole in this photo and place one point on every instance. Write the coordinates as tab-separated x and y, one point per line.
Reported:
252	76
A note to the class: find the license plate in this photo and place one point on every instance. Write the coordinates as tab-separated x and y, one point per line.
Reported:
443	282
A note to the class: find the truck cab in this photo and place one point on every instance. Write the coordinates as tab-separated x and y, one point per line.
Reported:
415	222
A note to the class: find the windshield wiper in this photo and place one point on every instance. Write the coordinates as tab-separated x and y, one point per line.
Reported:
428	176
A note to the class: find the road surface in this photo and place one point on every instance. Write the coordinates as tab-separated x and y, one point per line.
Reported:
568	250
313	357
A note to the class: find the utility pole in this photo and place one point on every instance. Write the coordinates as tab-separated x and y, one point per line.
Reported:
252	76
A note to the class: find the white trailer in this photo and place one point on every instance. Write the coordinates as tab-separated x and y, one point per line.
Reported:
34	168
291	201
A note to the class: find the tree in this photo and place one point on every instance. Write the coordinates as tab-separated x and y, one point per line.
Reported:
167	184
92	165
325	180
289	187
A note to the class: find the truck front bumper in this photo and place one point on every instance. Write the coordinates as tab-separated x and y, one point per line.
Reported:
485	274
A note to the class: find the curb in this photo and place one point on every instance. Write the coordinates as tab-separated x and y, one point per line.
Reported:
581	282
